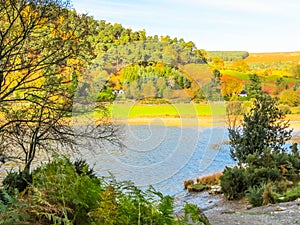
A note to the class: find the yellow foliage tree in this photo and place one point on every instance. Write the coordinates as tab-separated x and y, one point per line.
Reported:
290	97
230	86
240	65
217	63
42	45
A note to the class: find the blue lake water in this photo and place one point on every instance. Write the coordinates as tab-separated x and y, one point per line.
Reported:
163	156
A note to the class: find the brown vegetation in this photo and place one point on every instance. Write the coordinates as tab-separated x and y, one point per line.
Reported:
213	179
273	57
186	183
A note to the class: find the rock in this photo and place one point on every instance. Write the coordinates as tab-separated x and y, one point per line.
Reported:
228	212
215	189
278	208
249	206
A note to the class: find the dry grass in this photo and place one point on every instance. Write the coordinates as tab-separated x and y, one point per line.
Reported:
213	179
187	183
200	73
274	57
296	139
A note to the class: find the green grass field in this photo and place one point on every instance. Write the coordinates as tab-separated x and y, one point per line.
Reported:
286	79
175	110
245	77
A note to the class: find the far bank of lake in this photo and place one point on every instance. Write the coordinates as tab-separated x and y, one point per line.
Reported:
191	121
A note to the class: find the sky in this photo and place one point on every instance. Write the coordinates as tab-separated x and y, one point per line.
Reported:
248	25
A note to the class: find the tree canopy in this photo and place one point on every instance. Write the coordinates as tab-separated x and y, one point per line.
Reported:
262	128
43	48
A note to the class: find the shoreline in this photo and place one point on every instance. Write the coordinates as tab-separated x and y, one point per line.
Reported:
204	121
199	121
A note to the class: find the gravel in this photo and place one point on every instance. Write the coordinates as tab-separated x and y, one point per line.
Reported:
224	212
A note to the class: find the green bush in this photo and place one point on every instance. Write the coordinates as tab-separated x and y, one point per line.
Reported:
285	109
193	213
65	192
255	195
58	193
234	182
265	174
106	95
11	210
17	181
82	167
260	195
289	165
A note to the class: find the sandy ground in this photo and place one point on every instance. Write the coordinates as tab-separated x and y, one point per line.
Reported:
204	121
172	121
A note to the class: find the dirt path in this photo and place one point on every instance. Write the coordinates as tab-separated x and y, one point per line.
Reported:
223	212
220	211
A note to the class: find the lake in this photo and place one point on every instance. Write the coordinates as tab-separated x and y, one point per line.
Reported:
163	156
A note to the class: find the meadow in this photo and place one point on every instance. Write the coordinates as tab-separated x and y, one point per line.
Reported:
166	110
188	114
274	57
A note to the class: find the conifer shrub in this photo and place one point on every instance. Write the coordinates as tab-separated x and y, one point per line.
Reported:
17	181
255	195
234	182
259	195
265	174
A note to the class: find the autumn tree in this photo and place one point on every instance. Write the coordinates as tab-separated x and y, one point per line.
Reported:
161	85
212	90
170	55
201	53
43	47
296	71
134	89
217	63
230	86
167	92
148	89
290	97
240	65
